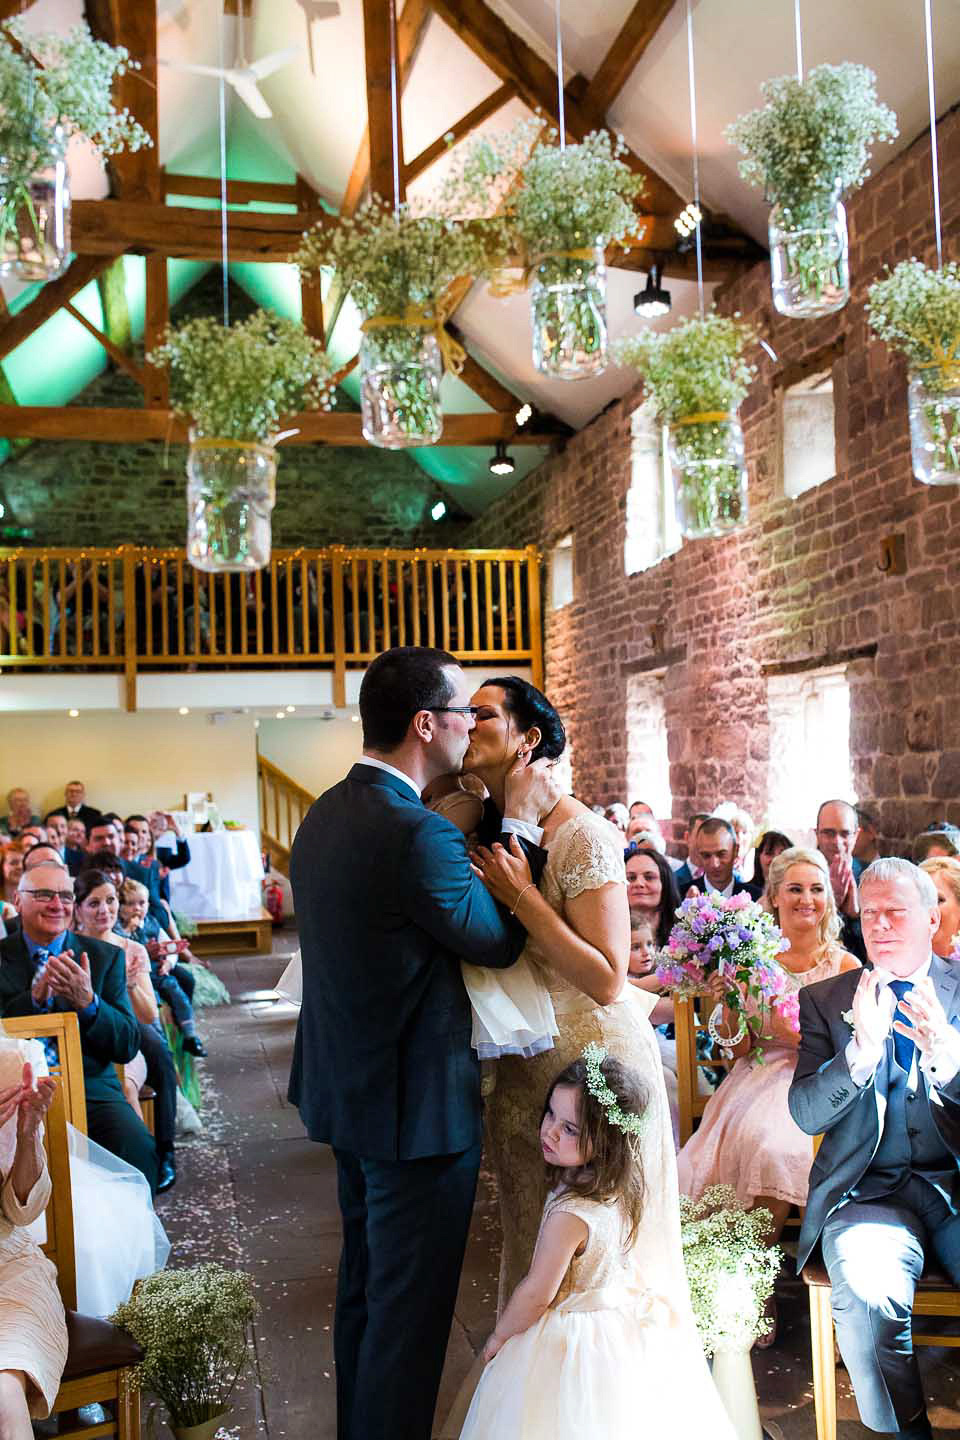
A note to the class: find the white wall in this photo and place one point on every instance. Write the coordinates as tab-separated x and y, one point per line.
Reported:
316	753
147	760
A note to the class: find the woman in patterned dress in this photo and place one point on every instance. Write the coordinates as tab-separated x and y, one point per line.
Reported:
578	924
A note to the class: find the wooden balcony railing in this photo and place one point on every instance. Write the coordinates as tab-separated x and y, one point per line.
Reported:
131	608
283	804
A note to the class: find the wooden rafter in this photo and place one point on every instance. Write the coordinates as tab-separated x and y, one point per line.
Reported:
621	59
101	227
54	295
116	354
239	192
337	427
133	23
458	131
385	135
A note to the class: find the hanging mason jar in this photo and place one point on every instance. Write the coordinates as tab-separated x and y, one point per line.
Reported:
709	474
570	314
809	256
35	215
933	399
230	493
401	367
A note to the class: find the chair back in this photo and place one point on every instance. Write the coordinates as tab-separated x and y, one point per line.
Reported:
68	1100
688	1022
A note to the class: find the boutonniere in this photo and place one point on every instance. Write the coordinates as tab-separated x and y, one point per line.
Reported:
847	1017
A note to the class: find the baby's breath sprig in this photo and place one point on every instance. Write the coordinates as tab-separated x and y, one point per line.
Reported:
593	1056
697	366
917	311
730	1268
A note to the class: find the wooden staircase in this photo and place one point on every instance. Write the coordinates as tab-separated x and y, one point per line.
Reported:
283	804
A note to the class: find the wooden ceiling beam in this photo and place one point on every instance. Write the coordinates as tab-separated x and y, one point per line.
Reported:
133	23
622	58
500	97
337	427
239	192
379	46
134	370
101	227
54	295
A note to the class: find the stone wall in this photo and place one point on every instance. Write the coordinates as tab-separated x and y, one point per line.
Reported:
72	493
799	587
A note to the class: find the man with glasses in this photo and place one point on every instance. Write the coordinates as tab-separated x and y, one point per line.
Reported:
837	832
46	967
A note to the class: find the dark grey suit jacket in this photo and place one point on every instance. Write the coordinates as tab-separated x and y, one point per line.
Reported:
387	907
824	1100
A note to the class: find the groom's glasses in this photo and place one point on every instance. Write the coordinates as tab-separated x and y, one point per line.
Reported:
454	709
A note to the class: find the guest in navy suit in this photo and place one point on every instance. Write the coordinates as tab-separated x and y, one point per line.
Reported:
387	907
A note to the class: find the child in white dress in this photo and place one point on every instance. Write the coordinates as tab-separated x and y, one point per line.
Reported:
587	1343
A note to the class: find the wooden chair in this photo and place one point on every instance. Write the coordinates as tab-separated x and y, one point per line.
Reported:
100	1357
146	1097
688	1022
935	1295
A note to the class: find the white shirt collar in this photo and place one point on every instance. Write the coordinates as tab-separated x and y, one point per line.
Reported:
914	979
391	770
712	889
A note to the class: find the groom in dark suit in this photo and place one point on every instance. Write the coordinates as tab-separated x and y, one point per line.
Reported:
878	1073
387	906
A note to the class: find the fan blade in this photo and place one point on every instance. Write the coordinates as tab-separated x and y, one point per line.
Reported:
191	69
260	69
250	95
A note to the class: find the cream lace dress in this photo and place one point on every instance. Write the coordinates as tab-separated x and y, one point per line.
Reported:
584	854
611	1357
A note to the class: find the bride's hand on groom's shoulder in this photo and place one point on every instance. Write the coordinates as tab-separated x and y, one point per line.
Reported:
506	873
531	790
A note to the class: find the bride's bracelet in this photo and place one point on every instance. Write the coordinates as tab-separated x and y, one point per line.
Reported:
726	1042
529	886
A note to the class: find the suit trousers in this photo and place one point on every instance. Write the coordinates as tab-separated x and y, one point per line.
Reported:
116	1126
874	1253
405	1225
162	1077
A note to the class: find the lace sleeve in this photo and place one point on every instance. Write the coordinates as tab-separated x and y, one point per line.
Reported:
591	855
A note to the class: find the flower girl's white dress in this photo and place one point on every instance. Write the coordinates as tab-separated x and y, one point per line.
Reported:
612	1357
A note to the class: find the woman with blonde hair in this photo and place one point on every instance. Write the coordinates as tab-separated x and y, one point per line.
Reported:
747	1138
944	871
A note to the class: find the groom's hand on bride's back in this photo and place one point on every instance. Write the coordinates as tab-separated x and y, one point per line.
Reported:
531	789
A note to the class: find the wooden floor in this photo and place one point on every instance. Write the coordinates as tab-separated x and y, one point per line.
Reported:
253	1192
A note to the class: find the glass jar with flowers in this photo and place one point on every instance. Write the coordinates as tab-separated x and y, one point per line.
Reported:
398	265
697	376
234	384
52	87
916	310
807	147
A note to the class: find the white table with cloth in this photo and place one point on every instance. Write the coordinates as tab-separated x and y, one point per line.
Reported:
224	877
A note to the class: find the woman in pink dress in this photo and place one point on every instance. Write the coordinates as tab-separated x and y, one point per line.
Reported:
747	1138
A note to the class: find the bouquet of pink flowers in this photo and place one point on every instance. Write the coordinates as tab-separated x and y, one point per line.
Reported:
733	937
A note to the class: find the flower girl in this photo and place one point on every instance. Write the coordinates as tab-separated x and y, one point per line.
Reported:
586	1344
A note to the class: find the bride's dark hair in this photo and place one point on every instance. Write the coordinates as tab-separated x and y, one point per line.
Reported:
613	1171
528	706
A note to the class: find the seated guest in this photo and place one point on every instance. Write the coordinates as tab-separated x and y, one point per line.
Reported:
106	834
162	823
651	891
618	815
76	834
19	813
837	829
130	844
867	848
746	1138
945	874
12	869
33	1330
771	844
173	983
717	849
97	909
744	829
46	966
691	869
878	1075
32	835
56	828
75	805
940	839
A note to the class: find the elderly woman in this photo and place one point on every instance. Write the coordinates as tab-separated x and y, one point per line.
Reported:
747	1138
33	1331
944	871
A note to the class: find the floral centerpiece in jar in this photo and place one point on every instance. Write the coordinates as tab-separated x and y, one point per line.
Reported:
52	87
805	148
697	376
194	1328
234	384
731	1269
734	938
398	265
917	311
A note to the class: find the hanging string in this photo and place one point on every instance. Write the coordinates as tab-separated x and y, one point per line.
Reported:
934	155
395	107
796	26
691	81
224	248
561	108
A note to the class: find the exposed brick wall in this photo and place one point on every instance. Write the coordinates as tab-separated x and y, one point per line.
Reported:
799	586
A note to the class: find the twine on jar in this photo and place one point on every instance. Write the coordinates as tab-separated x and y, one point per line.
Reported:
703	417
503	285
947	361
418	317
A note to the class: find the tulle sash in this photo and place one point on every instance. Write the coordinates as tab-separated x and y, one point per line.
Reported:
645	1307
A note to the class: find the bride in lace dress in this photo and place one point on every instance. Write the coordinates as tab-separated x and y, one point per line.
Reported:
579	943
